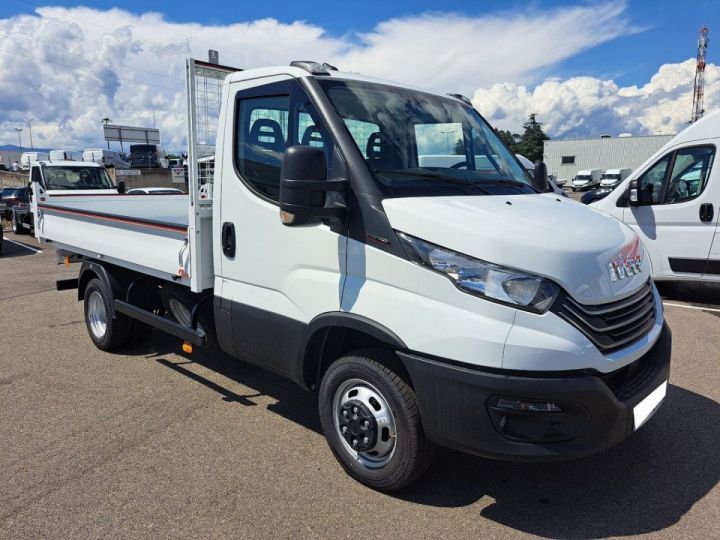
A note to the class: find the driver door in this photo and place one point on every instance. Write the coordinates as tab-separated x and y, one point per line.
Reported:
677	221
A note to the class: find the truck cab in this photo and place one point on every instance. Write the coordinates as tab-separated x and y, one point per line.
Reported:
674	209
612	178
586	179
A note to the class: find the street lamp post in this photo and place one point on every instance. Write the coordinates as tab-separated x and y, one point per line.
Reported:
105	122
29	120
19	132
447	140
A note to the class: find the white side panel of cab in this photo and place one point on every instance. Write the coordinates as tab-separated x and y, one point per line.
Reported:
295	272
424	309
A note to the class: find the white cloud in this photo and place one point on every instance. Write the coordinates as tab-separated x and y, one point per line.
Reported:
583	106
69	68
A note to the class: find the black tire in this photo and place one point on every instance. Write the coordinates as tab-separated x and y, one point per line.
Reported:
206	319
16	224
116	330
411	453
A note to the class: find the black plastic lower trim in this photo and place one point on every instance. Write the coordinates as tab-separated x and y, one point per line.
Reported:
67	284
688	266
456	406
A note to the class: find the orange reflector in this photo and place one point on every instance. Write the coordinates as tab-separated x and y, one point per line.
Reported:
187	347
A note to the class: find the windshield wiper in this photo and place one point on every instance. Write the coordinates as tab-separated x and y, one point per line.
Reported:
441	178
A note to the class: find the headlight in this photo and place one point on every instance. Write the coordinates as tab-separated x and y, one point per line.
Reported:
484	279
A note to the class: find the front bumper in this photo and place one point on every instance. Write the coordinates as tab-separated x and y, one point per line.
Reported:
458	406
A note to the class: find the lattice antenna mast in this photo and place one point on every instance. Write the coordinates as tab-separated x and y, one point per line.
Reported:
699	92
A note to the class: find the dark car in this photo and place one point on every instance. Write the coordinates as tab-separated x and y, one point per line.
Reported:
595	195
12	197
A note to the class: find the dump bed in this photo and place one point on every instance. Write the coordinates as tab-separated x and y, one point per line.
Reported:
148	233
167	236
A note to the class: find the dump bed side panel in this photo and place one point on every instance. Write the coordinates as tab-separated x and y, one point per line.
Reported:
146	233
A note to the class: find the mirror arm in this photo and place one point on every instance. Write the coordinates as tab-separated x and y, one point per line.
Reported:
300	210
316	185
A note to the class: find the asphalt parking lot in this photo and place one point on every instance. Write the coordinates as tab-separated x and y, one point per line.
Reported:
151	442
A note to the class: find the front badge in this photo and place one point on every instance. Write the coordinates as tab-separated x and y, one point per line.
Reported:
628	262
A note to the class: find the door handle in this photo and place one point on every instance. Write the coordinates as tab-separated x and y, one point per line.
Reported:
706	212
228	239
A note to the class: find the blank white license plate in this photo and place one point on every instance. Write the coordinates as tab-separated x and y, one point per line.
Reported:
645	409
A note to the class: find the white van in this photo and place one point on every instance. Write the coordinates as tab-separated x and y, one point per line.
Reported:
109	158
613	177
60	155
670	201
586	179
27	158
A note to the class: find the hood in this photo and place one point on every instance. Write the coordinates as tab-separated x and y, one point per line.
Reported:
555	237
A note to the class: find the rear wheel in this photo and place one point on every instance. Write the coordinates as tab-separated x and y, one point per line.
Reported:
106	332
16	223
371	421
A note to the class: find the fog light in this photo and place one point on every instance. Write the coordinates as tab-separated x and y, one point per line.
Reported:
537	421
527	406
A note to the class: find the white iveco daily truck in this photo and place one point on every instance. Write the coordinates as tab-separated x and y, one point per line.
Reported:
425	305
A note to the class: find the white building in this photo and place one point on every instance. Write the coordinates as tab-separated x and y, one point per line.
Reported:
564	158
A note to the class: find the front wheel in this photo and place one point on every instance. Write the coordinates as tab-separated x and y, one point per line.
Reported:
371	421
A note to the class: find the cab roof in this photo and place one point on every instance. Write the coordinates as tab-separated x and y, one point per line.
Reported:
299	73
67	163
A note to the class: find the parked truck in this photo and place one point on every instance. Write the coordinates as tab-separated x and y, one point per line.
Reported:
586	179
612	178
424	305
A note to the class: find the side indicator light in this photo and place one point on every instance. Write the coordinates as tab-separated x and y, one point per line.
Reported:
187	347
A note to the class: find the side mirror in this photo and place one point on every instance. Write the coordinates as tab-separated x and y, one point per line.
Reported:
634	194
304	184
121	189
540	177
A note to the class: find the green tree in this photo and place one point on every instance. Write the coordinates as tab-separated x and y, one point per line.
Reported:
510	139
532	141
459	148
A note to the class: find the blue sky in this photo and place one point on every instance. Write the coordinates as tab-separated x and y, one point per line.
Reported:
583	68
669	27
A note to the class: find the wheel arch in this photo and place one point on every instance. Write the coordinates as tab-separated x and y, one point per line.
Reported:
111	279
331	335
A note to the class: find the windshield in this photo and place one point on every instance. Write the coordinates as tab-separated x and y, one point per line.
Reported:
420	144
76	178
582	177
611	177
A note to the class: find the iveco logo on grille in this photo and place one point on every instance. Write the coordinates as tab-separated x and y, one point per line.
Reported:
628	262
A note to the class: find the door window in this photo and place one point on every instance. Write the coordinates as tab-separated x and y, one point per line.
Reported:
266	126
650	183
690	171
262	130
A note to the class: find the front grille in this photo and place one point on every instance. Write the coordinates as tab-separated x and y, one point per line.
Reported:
614	325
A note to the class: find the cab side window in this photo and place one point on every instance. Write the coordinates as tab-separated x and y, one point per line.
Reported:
266	125
36	177
650	184
690	172
261	139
